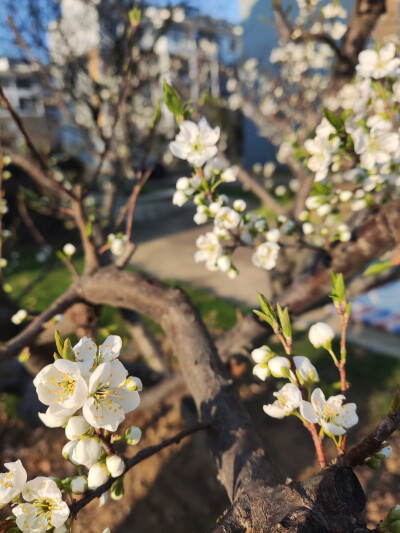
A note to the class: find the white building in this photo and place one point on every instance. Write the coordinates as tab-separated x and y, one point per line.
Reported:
24	90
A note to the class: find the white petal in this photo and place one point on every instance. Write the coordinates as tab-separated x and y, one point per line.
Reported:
307	412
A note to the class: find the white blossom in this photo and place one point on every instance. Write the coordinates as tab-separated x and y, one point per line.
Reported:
260	355
306	371
331	414
266	255
195	142
45	507
227	218
378	64
56	416
19	316
273	235
109	399
209	251
262	371
12	482
288	399
61	383
279	367
321	334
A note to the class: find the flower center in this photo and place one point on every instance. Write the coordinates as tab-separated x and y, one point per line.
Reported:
7	480
65	386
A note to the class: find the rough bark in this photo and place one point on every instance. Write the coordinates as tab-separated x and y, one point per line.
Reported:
364	17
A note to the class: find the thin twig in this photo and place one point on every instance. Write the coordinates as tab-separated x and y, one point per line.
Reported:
27	335
90	495
32	148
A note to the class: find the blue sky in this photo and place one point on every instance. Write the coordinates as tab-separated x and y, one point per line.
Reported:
224	9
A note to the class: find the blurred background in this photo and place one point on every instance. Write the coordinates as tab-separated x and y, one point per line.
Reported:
62	66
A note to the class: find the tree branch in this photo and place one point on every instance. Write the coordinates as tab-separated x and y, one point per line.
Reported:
372	442
90	495
35	154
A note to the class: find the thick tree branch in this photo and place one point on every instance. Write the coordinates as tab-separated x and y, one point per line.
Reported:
365	15
372	442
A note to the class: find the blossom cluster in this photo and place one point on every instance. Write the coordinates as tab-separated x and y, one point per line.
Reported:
233	226
334	416
355	153
43	507
88	392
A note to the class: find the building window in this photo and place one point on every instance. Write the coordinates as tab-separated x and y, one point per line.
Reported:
27	104
24	83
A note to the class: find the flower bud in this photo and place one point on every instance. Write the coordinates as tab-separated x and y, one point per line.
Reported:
98	475
279	367
133	384
306	371
385	452
273	235
133	435
117	490
262	371
321	334
262	354
86	452
392	521
224	263
67	451
61	529
69	249
102	500
115	465
373	463
77	426
239	205
79	484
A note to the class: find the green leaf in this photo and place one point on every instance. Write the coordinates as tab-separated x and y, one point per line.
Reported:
339	289
68	352
267	307
264	317
285	323
336	121
377	268
89	229
134	16
173	100
346	114
156	115
321	189
28	193
59	342
24	355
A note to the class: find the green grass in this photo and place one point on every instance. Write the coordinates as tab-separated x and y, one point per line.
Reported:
217	313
